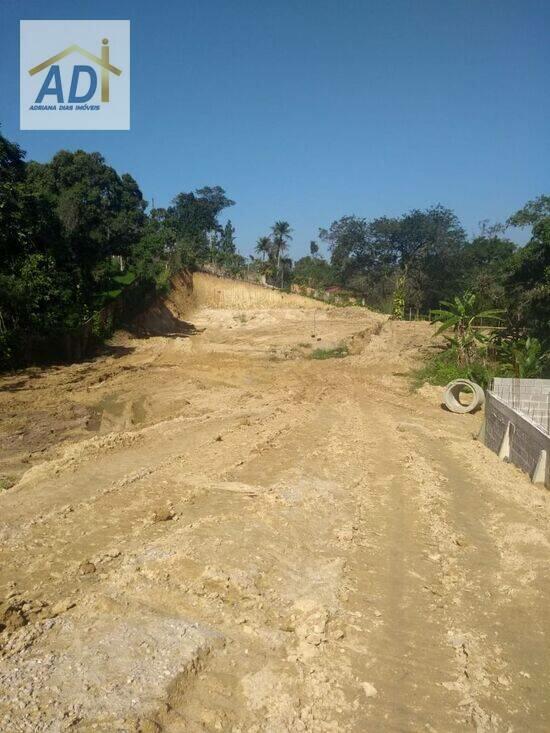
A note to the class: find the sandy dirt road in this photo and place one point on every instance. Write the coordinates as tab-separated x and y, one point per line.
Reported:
214	532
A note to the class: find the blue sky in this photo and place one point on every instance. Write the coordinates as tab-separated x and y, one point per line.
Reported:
309	110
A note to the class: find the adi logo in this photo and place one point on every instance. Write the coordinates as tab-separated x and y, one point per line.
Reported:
75	75
52	85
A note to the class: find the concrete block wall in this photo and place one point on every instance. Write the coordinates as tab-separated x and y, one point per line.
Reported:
531	397
526	438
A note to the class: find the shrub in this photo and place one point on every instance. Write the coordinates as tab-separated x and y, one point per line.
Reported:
443	367
337	353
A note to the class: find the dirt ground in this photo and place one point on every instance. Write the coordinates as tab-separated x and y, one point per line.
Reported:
211	531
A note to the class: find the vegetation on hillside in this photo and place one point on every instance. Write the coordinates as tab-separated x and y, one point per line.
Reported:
74	233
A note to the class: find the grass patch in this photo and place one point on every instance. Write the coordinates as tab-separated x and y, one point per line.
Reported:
337	353
6	482
442	368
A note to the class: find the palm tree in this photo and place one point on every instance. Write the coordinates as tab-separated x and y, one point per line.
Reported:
263	247
281	236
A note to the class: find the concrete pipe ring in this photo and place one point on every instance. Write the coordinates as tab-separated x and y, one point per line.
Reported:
452	396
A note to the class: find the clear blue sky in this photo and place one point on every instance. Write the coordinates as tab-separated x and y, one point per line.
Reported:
309	110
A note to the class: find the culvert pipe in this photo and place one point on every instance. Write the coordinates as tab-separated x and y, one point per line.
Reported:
452	396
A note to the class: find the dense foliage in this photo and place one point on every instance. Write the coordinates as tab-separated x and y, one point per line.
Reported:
74	233
423	263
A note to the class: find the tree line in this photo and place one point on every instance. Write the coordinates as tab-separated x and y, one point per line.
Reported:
74	233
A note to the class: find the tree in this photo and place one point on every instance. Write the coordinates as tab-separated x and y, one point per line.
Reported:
426	246
36	291
484	262
528	280
281	233
534	212
24	218
312	272
313	248
68	228
350	247
227	241
193	216
12	171
264	247
152	254
101	214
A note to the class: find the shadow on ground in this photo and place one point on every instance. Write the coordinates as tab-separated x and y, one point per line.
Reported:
160	321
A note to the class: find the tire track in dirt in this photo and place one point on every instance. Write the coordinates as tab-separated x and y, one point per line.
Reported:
283	545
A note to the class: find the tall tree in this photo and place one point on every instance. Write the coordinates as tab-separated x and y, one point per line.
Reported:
484	263
12	173
264	247
282	235
193	216
227	240
528	282
313	272
101	213
360	258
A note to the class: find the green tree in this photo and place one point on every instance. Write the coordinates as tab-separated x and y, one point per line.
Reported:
101	214
193	216
227	240
312	272
13	228
151	257
426	247
281	236
528	280
484	263
264	247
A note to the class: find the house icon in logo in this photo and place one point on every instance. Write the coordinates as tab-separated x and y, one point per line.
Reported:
102	61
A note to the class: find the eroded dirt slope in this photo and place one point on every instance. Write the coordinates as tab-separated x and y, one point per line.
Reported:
210	531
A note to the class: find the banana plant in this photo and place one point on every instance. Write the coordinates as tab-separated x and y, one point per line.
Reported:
462	316
525	358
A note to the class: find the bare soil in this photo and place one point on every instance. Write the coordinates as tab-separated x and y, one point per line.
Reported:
211	531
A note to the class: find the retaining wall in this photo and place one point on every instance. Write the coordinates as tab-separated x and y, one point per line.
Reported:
531	397
517	438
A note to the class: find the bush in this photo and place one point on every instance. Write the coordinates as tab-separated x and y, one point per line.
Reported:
103	325
443	367
337	353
